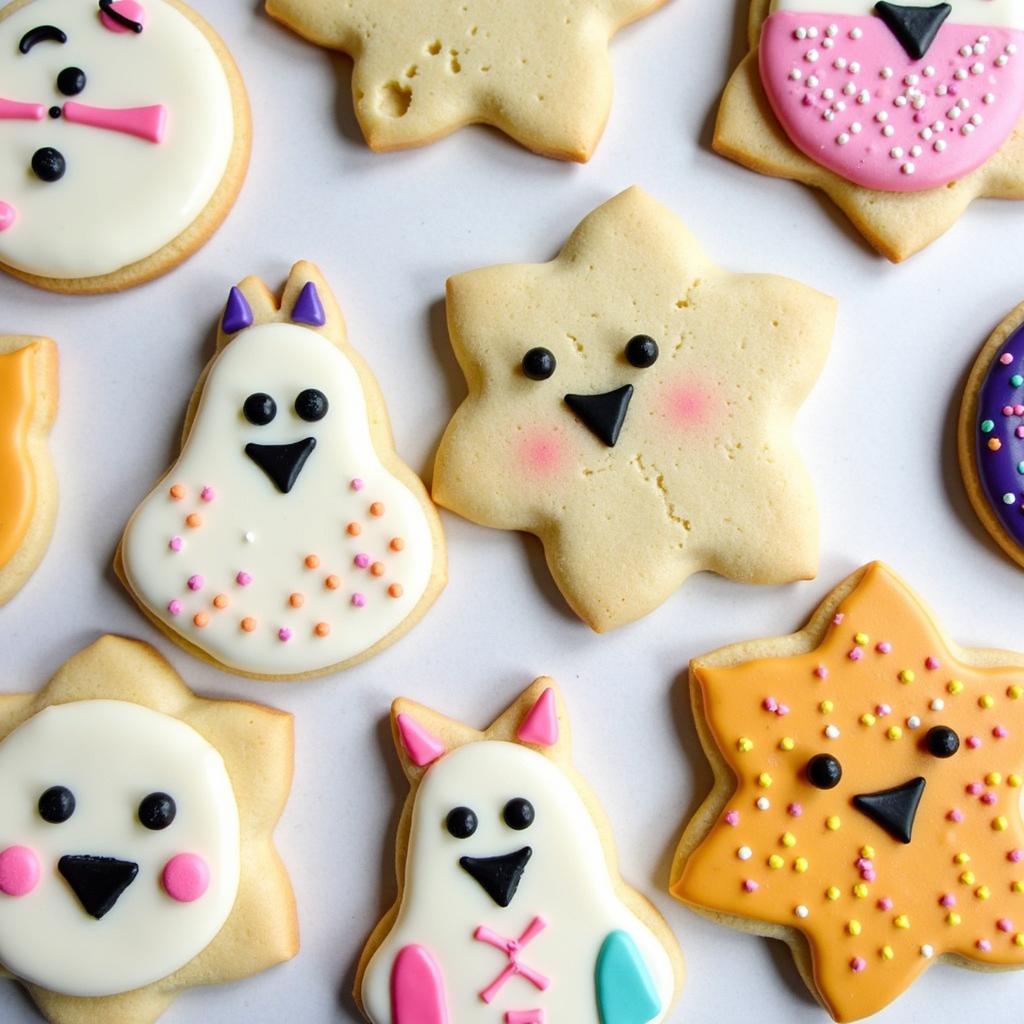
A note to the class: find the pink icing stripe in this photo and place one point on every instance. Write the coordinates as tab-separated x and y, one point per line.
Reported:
524	1017
417	989
540	726
146	123
420	745
13	110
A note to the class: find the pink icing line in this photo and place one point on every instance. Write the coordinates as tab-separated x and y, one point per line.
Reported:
12	110
524	1017
146	123
512	948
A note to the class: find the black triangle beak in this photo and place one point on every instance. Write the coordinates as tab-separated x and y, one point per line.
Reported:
915	28
498	876
893	809
282	462
603	414
98	882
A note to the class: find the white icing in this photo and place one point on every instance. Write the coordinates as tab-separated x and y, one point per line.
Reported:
112	754
280	360
566	882
1001	13
122	198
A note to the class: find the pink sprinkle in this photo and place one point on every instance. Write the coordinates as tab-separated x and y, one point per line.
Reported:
948	900
357	484
1007	410
359	600
770	704
821	672
884	647
1000	732
750	885
984	945
931	663
243	579
857	964
19	871
973	742
1019	431
1006	358
195	582
989	798
1015	856
782	709
174	607
884	903
882	710
838	618
869	875
207	494
856	654
175	544
361	561
794	810
1004	924
863	864
186	877
1018	410
732	818
955	815
974	788
284	634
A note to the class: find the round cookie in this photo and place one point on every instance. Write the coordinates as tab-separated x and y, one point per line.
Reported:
288	539
125	139
991	435
136	857
867	799
510	907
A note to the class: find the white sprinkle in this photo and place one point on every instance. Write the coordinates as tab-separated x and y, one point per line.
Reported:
960	74
941	90
812	81
832	31
796	74
800	33
828	115
839	63
926	133
913	722
979	48
919	102
744	853
250	537
856	127
828	43
811	55
896	152
975	119
910	79
842	138
812	33
850	88
965	51
929	72
832	732
1002	60
1011	47
828	94
888	131
863	96
908	168
916	151
963	103
886	72
900	101
977	68
984	39
882	116
854	67
840	106
763	803
801	911
953	113
927	952
855	33
939	126
938	704
988	98
939	146
967	129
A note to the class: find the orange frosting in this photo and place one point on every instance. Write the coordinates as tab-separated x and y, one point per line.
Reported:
875	911
17	481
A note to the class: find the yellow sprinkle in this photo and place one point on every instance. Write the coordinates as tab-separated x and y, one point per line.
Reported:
764	780
962	858
744	745
901	921
860	890
907	676
967	878
826	707
1013	780
853	927
786	743
867	851
832	823
775	862
955	686
800	865
1015	692
862	638
1018	939
894	732
788	839
993	779
986	701
1000	824
953	917
832	893
868	719
1017	887
983	892
886	953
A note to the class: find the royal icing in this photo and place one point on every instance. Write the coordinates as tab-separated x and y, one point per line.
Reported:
279	543
112	141
119	847
17	479
508	907
876	801
895	97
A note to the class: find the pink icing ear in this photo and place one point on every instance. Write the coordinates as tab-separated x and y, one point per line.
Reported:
186	877
540	726
123	16
420	745
19	871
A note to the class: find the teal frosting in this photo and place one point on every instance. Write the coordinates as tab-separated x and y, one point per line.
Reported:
625	989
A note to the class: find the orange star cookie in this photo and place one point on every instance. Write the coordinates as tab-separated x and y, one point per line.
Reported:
867	799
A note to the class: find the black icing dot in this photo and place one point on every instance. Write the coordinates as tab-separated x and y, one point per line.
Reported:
71	81
259	409
642	351
48	164
54	112
518	814
57	804
824	771
942	741
461	822
539	364
157	811
311	405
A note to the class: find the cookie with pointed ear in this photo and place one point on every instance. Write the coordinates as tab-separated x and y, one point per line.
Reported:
126	140
510	904
136	838
28	483
288	539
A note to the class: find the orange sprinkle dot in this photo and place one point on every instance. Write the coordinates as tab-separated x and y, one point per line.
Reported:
201	619
296	600
220	601
312	562
193	519
994	444
377	568
248	624
377	508
353	529
395	590
332	582
397	544
177	492
322	629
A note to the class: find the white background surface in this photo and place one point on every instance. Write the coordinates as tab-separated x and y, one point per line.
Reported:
878	433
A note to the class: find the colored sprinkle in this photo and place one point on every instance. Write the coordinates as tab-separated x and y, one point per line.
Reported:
322	629
744	853
395	590
907	676
884	903
931	663
862	638
1016	380
801	911
177	492
764	780
750	885
882	710
794	810
856	654
357	484
837	619
248	624
860	890
377	508
770	704
886	953
1015	856
786	743
220	601
1000	824
744	745
973	742
832	823
867	851
193	519
955	686
284	634
207	494
296	600
397	544
200	619
800	865
359	600
857	964
312	562
332	582
1013	780
1004	924
377	569
1015	692
353	529
868	719
993	778
832	893
1006	358
894	732
243	579
732	818
174	607
787	839
195	582
955	816
984	945
986	701
994	444
775	862
987	426
884	647
953	918
983	892
1009	498
947	900
901	921
826	707
821	672
175	544
361	561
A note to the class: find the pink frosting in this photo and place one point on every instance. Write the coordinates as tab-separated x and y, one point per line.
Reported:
147	123
7	215
417	988
129	9
422	747
19	871
186	877
540	726
865	110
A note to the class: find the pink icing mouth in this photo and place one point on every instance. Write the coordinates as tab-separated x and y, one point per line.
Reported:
850	98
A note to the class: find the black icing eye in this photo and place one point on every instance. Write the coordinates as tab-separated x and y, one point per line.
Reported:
259	409
642	351
157	811
824	771
57	804
311	405
48	164
518	814
461	822
539	364
941	741
71	81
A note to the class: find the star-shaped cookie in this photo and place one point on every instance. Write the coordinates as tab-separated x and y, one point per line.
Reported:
538	71
901	114
631	404
867	799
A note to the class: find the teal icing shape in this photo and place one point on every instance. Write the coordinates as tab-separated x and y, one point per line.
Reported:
625	989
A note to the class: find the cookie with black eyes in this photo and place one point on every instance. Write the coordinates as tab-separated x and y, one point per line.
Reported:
631	404
509	908
124	140
288	539
115	895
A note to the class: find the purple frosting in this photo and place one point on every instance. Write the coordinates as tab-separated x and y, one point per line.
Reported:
999	451
308	308
237	313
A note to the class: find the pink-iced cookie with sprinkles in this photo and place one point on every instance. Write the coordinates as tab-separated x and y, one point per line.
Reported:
288	539
867	801
991	435
902	113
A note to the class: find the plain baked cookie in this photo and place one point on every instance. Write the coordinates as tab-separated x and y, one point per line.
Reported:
136	851
631	404
991	435
124	140
28	483
288	539
900	113
537	70
866	807
510	905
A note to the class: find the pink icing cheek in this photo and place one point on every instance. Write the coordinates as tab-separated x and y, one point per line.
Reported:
186	877
688	405
129	9
8	215
19	871
543	452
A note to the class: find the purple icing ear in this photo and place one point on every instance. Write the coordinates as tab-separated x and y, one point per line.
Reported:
237	313
308	309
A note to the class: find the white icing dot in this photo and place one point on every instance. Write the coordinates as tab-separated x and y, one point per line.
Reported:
832	31
828	94
979	48
965	51
900	101
856	127
881	116
840	106
953	113
1001	61
842	138
984	39
929	72
1011	47
941	90
960	74
939	126
250	537
927	952
963	103
896	152
977	68
854	67
763	803
828	43
975	119
812	81
939	146
988	98
811	55
850	88
801	911
839	63
744	853
888	131
913	722
886	72
812	32
910	79
796	74
832	732
919	102
908	168
856	33
800	33
938	704
926	133
967	129
828	115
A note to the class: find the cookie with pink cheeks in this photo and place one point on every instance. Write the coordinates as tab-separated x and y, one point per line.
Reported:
631	404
